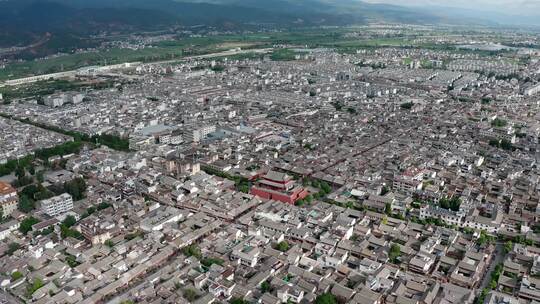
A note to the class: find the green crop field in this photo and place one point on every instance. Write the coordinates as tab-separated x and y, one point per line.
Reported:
177	49
161	51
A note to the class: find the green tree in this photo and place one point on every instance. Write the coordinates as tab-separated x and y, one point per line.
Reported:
282	246
12	247
102	206
266	287
494	279
238	301
508	246
190	294
192	250
468	230
450	204
210	261
20	172
388	209
69	221
243	188
326	188
76	188
499	123
72	261
43	193
480	299
22	181
16	276
407	105
67	232
484	239
394	253
39	176
90	210
326	298
29	191
507	145
218	68
27	223
35	285
26	204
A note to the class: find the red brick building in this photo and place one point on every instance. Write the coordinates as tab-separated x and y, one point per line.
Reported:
280	187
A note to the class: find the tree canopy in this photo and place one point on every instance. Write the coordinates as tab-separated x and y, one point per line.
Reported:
27	223
394	253
282	246
450	204
326	298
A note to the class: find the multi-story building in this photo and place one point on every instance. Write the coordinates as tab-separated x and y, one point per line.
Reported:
7	228
96	230
448	216
187	167
56	100
280	187
57	205
406	185
531	90
8	198
198	133
246	255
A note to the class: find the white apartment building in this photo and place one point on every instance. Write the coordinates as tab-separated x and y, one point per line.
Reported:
448	216
531	90
57	205
198	133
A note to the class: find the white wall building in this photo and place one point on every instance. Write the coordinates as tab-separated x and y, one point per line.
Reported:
57	205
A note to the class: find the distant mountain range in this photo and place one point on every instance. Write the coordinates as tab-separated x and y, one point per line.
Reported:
57	25
24	21
84	16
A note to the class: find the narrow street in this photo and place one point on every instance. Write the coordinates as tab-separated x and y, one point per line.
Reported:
499	257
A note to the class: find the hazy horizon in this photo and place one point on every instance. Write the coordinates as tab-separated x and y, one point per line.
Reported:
514	7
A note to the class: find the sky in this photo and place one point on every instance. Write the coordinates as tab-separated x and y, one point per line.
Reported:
525	7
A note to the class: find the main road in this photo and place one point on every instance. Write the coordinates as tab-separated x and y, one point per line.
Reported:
212	55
